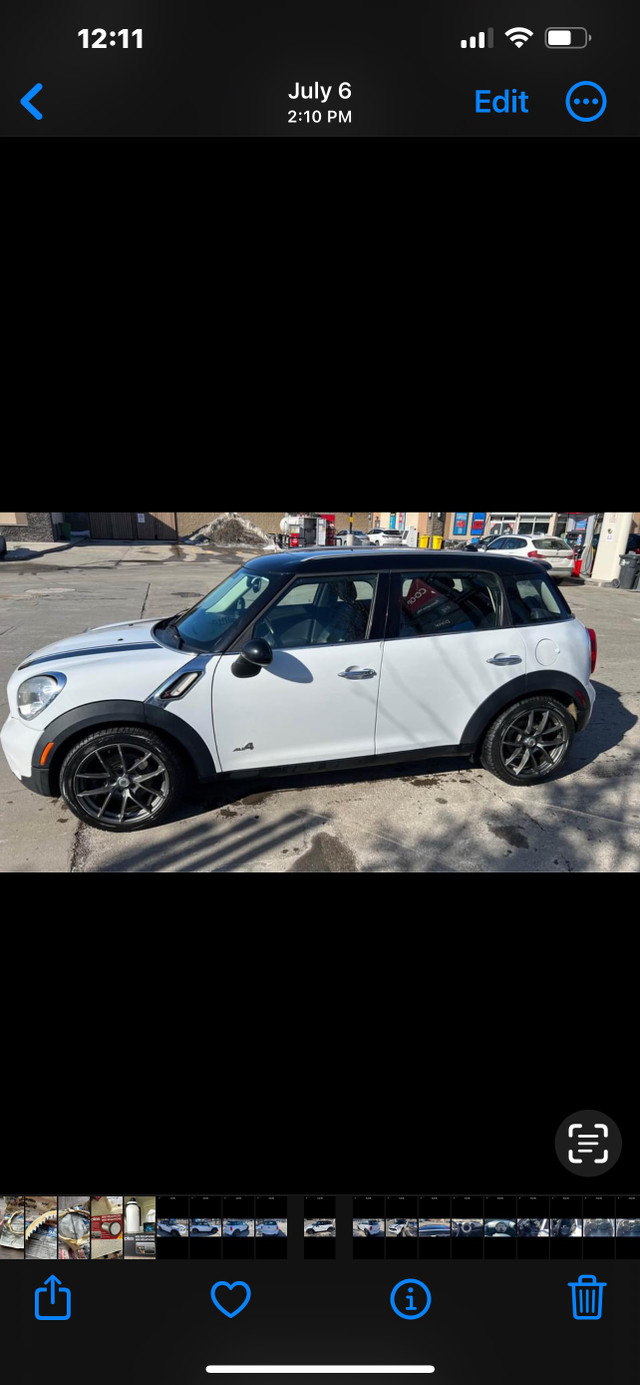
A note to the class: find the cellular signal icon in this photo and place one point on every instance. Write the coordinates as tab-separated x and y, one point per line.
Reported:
480	40
519	35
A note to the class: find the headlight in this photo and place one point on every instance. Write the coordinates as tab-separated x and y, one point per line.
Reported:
36	693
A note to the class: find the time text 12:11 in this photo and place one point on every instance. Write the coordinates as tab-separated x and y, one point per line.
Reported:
103	39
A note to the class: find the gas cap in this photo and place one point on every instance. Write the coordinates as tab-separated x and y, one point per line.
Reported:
547	652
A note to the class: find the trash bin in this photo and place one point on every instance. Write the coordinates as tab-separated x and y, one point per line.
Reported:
629	570
437	541
424	540
586	1294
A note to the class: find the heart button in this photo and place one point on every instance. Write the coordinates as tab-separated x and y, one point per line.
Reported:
222	1284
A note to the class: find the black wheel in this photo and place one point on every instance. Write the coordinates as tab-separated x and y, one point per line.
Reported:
122	779
529	741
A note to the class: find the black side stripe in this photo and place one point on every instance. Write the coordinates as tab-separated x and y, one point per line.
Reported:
78	653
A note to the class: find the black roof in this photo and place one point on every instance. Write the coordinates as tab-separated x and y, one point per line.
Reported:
352	560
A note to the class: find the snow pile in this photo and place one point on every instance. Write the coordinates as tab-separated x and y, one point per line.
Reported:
232	531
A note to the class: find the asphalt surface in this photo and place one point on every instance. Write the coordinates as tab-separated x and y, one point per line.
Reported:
438	816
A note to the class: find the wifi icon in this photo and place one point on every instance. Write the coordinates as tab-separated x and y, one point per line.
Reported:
519	35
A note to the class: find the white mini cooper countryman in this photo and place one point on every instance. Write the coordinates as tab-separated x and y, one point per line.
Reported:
305	660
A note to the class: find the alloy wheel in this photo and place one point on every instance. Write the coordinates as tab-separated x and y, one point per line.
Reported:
121	783
533	743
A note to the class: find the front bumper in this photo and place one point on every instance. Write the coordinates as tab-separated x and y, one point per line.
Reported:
19	741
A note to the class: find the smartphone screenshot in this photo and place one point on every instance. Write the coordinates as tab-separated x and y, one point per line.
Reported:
205	1227
500	1228
566	1228
368	1227
172	1227
238	1227
467	1228
139	1226
402	1227
434	1227
533	1228
317	71
106	1227
271	1227
319	1228
627	1228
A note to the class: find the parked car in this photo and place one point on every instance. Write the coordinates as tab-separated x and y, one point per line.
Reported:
3	546
200	1227
171	1228
372	1226
397	1226
303	658
319	1228
270	1228
236	1228
387	538
557	553
359	538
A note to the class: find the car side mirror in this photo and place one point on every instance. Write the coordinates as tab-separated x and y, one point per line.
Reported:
253	656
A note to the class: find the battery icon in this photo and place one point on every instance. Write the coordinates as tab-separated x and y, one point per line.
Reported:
576	37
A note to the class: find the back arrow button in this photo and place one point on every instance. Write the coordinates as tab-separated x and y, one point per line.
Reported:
26	101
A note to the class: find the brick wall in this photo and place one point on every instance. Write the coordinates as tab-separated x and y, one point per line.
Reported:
268	521
38	527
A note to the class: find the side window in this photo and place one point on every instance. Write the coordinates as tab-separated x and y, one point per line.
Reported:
437	603
513	543
533	600
334	610
496	544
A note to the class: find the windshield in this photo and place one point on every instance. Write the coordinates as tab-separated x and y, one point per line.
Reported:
214	618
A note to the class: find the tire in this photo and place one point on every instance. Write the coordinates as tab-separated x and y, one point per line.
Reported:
117	751
511	727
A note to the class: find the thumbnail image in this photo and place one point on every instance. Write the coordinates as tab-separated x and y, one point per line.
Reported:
41	1228
106	1228
237	1226
172	1226
533	1226
625	1226
139	1226
320	1226
368	1226
599	1226
202	1227
268	1226
11	1226
566	1226
74	1228
402	1226
467	1226
502	1226
434	1226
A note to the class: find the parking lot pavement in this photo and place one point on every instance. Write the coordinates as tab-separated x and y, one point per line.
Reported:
434	816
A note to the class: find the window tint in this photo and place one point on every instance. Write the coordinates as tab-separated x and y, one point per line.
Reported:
551	545
496	543
514	543
331	611
534	599
439	602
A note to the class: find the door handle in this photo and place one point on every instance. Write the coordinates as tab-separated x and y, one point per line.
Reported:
505	659
354	672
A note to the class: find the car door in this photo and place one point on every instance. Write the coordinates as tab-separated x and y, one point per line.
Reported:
446	652
318	699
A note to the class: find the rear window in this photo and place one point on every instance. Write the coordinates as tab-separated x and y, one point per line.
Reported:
534	600
551	545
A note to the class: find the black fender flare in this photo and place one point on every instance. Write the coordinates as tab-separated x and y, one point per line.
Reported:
527	685
112	713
